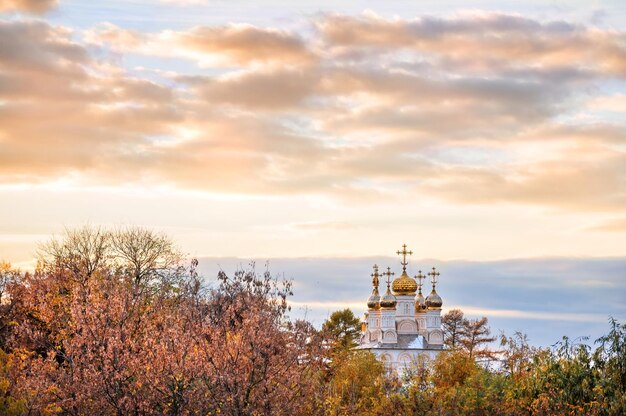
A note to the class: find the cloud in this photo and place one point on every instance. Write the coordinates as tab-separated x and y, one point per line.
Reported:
473	110
232	45
263	90
244	43
574	184
533	315
63	111
30	6
326	225
483	41
615	103
617	225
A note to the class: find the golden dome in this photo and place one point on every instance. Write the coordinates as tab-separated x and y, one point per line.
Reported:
388	301
433	301
374	301
420	303
404	285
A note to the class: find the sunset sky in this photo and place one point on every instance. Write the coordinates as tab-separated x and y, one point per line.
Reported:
322	135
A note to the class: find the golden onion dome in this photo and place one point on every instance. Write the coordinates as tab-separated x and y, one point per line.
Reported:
374	301
433	301
420	303
404	285
388	301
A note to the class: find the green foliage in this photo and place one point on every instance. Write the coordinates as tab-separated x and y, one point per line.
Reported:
342	328
610	362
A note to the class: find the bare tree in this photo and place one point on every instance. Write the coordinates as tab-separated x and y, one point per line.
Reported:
452	323
80	251
473	337
136	252
145	255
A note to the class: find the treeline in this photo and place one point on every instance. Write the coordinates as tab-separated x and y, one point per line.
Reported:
116	323
471	377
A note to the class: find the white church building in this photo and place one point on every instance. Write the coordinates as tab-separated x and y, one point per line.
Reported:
401	327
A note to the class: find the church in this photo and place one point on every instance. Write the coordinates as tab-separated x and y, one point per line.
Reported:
402	327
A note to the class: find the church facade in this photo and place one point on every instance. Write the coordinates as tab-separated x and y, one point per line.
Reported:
402	327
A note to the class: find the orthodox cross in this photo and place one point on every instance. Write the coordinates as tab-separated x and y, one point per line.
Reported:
433	277
403	253
388	273
419	278
375	276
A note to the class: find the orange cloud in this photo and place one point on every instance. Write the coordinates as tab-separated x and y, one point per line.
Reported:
617	225
237	45
383	107
483	41
30	6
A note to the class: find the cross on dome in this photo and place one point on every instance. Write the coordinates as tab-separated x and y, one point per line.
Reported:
403	253
419	278
388	273
433	276
375	276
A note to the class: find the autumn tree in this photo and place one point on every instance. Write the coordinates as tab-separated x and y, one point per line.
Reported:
122	326
462	387
117	322
8	277
473	337
10	401
79	253
256	360
516	354
359	385
146	256
452	325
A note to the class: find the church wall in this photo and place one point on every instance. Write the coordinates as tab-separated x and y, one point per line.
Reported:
400	360
407	326
433	319
405	307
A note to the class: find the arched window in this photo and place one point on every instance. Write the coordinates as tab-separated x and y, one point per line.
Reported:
386	359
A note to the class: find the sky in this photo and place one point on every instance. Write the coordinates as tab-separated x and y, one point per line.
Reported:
490	137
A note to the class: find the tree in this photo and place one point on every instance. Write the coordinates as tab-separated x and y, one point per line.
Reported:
122	326
358	386
8	279
10	403
145	255
343	329
562	381
138	254
462	387
256	361
80	252
516	355
118	323
452	323
473	335
610	361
